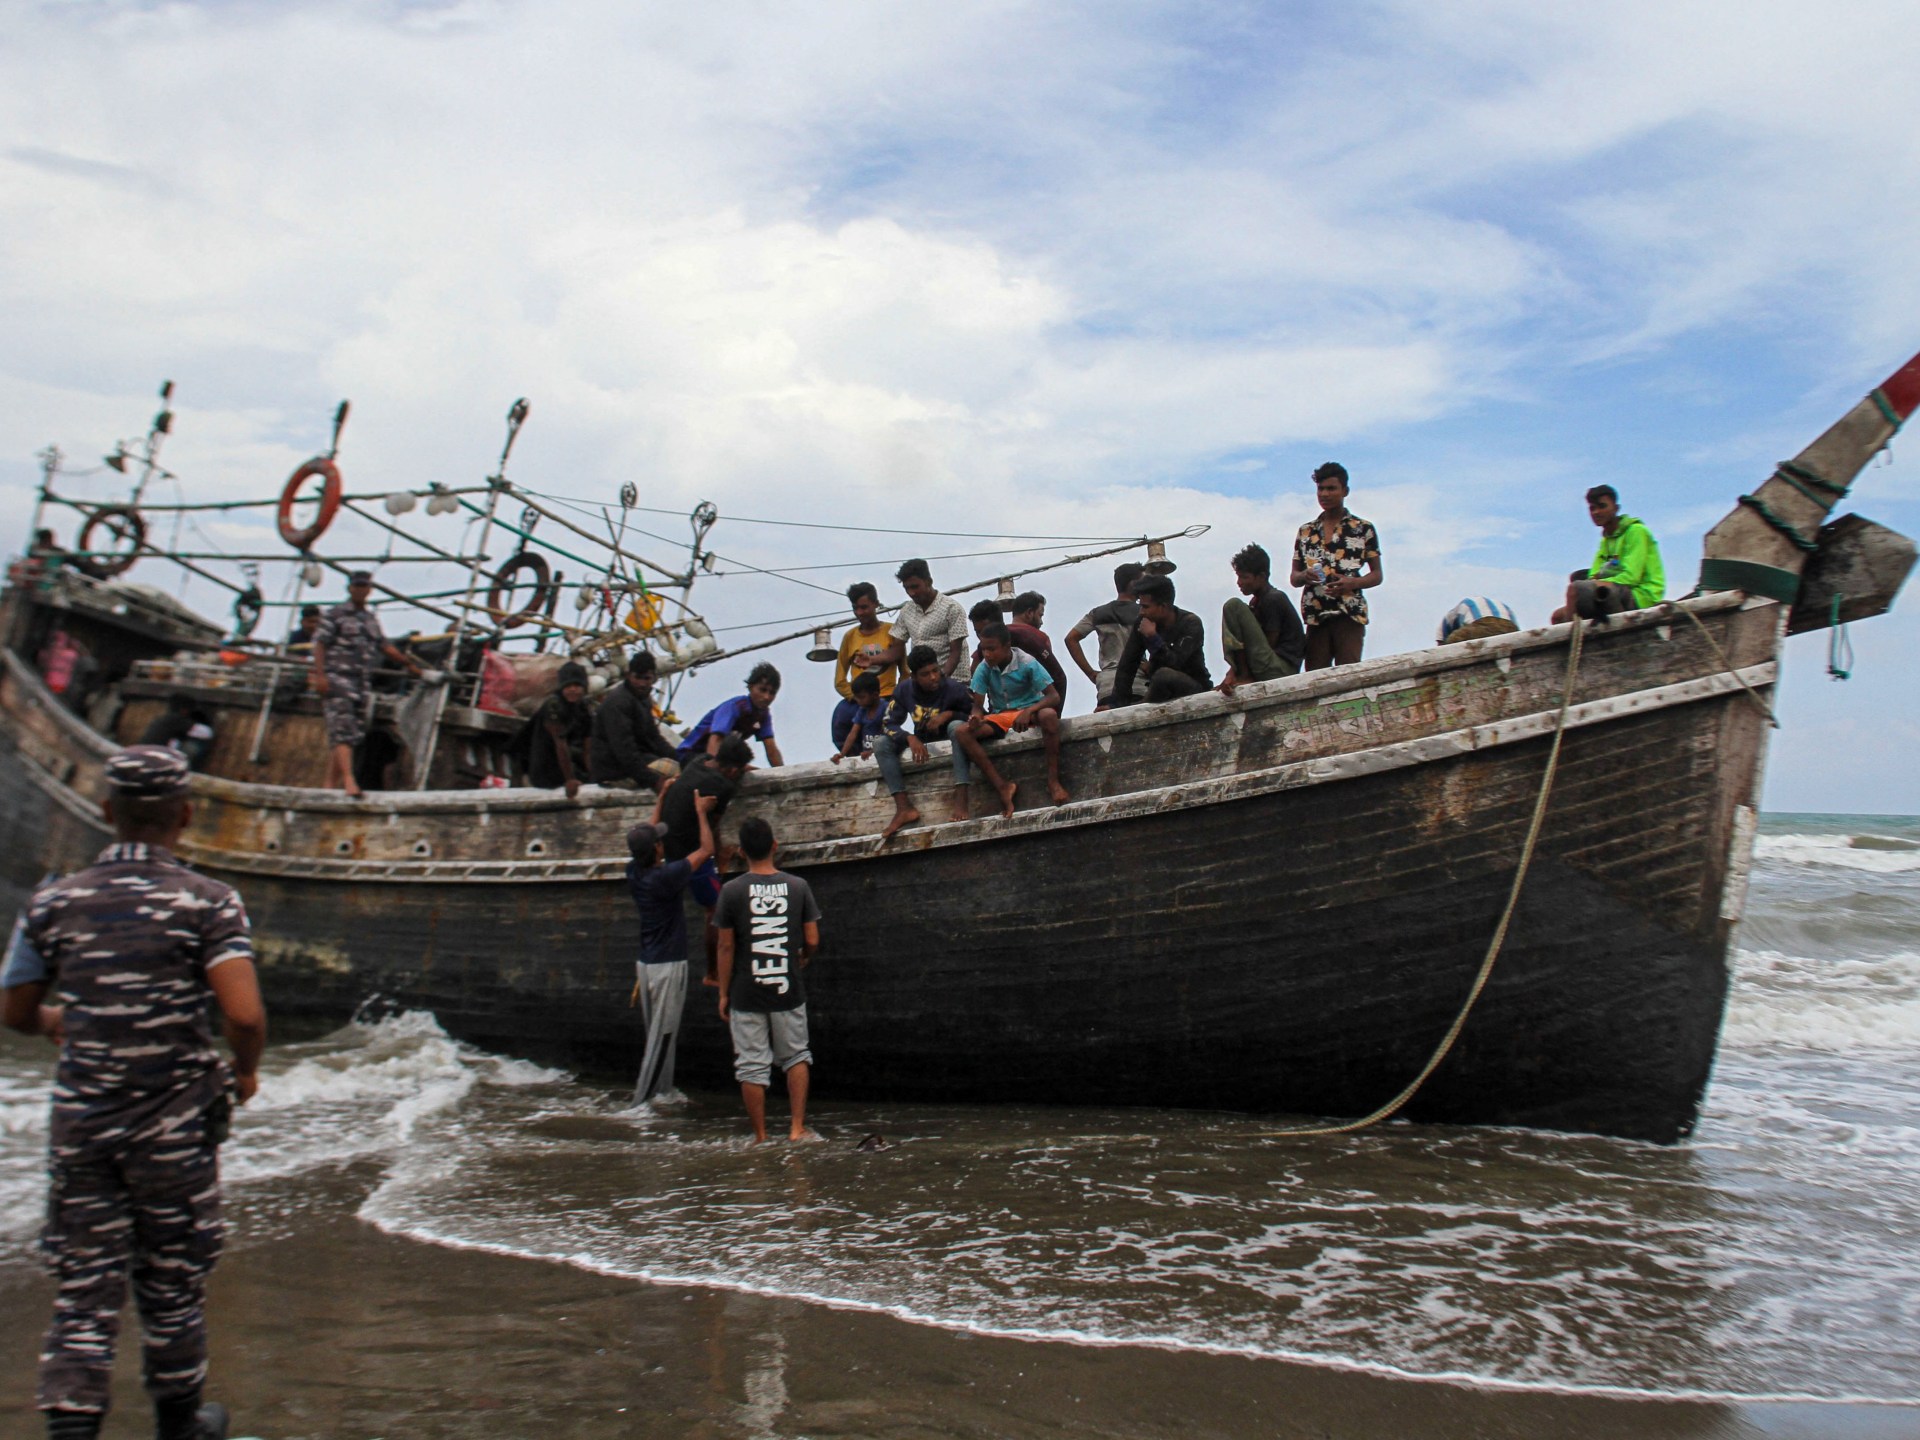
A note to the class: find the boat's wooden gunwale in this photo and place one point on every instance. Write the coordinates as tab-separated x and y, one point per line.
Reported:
1369	679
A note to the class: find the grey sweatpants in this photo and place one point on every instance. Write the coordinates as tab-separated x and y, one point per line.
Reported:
663	997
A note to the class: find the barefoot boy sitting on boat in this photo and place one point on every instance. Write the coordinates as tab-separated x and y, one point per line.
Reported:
1010	692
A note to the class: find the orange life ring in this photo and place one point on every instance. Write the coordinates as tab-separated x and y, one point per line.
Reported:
503	587
123	522
329	474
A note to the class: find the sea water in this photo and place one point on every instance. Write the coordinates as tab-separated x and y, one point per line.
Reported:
1774	1255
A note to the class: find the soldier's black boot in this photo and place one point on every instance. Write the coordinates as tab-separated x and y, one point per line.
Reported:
185	1418
73	1425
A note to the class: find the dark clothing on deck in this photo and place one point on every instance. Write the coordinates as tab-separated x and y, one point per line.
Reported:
768	916
1265	634
627	738
913	706
1177	653
575	724
677	810
125	947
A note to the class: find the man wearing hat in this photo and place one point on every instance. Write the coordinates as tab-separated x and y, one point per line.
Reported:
659	889
128	951
629	752
558	752
345	649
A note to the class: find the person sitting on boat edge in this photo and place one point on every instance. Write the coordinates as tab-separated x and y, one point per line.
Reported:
1168	642
1336	555
868	647
1010	693
659	889
930	618
627	750
1027	610
1261	636
1113	622
1475	619
749	716
718	775
857	719
933	703
769	933
560	735
345	648
1627	572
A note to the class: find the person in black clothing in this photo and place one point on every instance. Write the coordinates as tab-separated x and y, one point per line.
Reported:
559	748
185	727
1170	643
628	751
1261	635
718	775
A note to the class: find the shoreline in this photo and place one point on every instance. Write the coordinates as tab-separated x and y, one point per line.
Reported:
430	1341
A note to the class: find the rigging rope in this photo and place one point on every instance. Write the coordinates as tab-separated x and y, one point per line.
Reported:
1494	946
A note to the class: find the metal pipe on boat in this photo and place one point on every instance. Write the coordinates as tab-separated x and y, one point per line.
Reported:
1191	532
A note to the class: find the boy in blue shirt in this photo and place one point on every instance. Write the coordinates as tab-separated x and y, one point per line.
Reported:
749	716
856	721
1011	692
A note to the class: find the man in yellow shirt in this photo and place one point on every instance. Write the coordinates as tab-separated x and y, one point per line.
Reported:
869	646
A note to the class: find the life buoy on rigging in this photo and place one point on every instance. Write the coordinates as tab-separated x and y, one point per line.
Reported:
500	594
126	528
328	474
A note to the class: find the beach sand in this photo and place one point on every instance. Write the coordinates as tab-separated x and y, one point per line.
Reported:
327	1329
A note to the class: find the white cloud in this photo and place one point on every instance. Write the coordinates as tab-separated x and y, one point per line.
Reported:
1023	267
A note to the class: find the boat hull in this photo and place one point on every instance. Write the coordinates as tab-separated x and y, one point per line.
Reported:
1291	945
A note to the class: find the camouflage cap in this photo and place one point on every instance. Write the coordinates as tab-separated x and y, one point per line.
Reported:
148	772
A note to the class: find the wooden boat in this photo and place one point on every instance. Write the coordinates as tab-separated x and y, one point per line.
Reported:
1275	901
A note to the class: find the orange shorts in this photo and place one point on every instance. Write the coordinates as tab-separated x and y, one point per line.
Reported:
1003	722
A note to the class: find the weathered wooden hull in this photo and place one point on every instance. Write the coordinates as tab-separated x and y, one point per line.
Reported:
1270	903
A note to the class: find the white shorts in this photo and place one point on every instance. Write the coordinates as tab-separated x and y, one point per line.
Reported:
760	1037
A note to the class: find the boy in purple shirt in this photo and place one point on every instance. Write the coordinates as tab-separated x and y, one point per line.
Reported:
749	716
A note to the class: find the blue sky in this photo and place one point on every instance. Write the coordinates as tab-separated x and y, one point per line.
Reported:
1027	267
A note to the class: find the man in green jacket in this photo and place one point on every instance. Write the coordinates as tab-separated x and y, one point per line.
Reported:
1626	574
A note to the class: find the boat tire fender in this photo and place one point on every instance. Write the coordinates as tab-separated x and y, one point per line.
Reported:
497	596
121	522
330	492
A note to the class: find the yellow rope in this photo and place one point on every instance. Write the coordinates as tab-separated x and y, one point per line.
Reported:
1727	666
1500	931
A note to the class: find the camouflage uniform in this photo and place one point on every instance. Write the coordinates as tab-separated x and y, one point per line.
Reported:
140	1100
354	643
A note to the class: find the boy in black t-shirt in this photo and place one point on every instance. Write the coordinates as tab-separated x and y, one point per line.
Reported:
717	775
769	930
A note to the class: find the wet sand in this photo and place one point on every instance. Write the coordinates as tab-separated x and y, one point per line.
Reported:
327	1329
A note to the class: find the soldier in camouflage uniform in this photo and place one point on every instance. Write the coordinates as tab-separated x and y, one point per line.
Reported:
346	647
131	949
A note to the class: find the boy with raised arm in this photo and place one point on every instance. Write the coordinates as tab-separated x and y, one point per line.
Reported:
659	890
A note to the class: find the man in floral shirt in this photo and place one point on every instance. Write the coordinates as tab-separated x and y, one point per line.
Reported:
1336	556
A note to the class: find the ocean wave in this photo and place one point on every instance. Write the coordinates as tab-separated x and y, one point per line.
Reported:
1878	854
1843	1006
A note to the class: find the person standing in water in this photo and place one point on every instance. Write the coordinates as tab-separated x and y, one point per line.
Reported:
1336	556
769	932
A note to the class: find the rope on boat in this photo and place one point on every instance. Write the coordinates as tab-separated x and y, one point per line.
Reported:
1766	512
1499	940
1800	475
1726	667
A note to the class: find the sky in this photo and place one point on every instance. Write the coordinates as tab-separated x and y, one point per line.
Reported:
1016	268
